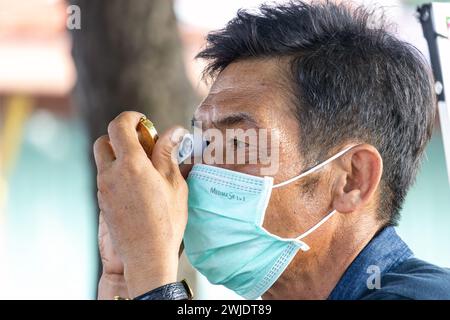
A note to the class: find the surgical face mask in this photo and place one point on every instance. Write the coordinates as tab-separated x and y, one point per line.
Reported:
225	239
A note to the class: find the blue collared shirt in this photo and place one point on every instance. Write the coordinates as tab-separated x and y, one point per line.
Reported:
387	269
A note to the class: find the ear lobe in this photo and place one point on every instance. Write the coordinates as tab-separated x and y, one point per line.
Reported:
358	179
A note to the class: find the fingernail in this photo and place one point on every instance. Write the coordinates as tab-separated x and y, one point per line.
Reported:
177	135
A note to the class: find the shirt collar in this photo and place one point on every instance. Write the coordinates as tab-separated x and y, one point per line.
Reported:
385	251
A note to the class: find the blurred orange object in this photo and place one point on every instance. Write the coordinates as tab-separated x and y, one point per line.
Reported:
35	48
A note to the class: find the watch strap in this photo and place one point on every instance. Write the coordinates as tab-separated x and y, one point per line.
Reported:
171	291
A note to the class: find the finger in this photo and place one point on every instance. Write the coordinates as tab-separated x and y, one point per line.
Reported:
103	153
110	259
103	231
164	156
102	228
123	135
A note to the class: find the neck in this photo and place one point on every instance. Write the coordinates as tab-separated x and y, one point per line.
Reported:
315	273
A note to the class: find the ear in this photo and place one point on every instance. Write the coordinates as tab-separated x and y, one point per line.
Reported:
357	178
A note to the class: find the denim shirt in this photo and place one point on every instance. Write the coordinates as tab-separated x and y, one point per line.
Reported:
401	275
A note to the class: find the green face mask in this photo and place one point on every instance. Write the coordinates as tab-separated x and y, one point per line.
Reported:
225	239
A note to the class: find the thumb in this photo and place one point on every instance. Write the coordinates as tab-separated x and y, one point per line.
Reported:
164	155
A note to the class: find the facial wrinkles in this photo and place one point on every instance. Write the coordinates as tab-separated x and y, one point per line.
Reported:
239	88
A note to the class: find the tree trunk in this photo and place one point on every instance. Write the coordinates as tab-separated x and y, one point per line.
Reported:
128	56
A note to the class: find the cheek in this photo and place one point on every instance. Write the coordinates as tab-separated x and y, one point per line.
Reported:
287	216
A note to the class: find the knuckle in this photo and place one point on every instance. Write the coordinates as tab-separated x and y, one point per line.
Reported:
127	116
119	123
100	140
131	165
167	151
103	205
97	143
100	199
178	128
114	125
176	133
103	183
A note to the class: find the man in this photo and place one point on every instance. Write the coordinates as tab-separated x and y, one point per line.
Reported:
352	107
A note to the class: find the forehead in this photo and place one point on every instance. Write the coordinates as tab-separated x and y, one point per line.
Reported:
251	75
255	87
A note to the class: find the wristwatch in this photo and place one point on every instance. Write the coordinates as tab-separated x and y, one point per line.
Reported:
172	291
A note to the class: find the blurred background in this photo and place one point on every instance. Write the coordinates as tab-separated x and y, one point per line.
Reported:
60	86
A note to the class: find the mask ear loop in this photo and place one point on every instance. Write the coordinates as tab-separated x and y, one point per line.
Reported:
304	246
319	166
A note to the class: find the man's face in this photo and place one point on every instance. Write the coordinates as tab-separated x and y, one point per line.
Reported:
253	94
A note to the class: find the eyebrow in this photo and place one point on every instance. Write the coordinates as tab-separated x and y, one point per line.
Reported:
232	120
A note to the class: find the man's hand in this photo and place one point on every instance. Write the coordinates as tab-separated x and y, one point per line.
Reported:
144	202
112	282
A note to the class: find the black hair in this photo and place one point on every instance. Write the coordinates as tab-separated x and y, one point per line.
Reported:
351	79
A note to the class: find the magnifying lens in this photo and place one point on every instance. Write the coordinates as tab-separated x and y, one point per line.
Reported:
148	136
